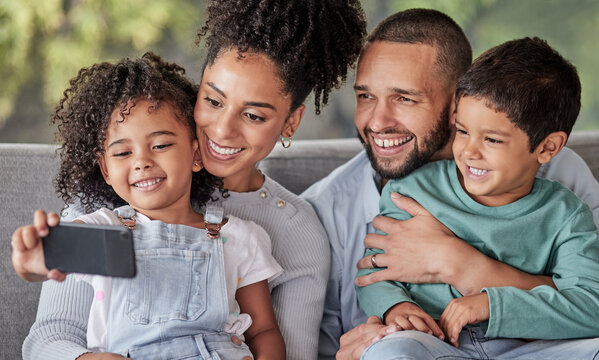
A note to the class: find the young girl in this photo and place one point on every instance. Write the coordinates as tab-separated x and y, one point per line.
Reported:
129	142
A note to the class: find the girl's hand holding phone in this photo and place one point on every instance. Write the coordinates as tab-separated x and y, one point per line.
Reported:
27	250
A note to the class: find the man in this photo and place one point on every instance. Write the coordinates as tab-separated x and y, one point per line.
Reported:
404	88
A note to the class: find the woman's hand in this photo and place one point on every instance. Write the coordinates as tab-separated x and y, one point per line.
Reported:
27	250
354	342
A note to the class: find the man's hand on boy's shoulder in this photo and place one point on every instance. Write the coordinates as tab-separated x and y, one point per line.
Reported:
462	311
409	316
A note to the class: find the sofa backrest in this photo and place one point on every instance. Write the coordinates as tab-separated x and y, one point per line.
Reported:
26	173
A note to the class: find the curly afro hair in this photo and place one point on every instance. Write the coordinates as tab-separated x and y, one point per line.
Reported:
83	116
312	42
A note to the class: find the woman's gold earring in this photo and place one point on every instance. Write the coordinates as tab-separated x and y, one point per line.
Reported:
285	144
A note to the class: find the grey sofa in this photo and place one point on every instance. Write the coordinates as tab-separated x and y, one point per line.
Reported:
26	173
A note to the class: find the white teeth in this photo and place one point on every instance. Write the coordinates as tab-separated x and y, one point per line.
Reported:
223	151
477	172
393	142
148	182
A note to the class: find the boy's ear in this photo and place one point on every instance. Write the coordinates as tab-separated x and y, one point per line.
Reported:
293	121
550	146
453	109
102	164
197	158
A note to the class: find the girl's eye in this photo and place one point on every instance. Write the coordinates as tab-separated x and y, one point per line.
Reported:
254	117
161	146
121	154
212	102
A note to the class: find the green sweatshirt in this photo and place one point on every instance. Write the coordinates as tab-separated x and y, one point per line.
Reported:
548	232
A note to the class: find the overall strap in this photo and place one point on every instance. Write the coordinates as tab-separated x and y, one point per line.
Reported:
127	216
213	219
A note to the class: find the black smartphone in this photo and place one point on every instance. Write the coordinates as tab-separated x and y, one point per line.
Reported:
90	249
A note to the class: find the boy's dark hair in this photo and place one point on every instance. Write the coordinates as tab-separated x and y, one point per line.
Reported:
530	82
312	42
429	27
83	115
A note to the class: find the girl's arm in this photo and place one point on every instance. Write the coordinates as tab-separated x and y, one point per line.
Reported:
263	337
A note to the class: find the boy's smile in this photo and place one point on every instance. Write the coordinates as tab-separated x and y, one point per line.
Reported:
493	156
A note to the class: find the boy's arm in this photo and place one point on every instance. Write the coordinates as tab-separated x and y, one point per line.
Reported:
546	313
263	336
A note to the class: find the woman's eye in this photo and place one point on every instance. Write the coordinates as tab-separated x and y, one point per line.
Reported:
254	117
212	102
461	132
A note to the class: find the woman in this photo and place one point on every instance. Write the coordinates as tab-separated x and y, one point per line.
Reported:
264	58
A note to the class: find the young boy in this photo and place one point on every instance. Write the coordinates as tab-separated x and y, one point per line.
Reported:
515	109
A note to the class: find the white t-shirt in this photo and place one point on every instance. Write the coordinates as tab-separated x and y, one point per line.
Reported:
247	257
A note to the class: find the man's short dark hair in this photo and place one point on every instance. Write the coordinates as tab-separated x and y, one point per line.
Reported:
530	82
429	27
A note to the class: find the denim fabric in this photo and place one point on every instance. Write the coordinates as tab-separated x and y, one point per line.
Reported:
474	345
178	296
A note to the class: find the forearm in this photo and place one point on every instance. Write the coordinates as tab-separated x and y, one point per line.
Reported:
469	271
268	344
59	331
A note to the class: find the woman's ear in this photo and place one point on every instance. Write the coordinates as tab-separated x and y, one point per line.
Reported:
551	146
293	121
103	169
197	158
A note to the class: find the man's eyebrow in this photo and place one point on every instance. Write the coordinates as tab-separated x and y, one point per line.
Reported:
213	86
412	92
361	88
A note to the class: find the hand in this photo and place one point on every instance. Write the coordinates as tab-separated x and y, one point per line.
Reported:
417	250
469	309
27	251
354	342
408	316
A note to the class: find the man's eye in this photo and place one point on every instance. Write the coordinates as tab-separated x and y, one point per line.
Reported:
406	100
364	96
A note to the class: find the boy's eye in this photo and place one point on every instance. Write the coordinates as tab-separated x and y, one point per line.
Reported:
494	141
212	102
254	117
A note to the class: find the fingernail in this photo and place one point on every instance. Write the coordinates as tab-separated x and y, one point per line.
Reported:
390	329
376	338
52	276
43	232
395	195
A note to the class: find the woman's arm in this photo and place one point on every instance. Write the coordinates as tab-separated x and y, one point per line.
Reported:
422	250
263	336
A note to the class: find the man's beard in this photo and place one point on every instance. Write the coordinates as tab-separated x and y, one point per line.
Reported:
435	141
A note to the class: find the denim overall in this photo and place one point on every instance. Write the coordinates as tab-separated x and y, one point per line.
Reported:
176	305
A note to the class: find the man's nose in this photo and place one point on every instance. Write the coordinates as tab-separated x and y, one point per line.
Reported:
382	117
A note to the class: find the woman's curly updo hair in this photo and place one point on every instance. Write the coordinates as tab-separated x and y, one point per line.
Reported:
312	42
83	116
